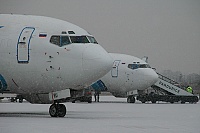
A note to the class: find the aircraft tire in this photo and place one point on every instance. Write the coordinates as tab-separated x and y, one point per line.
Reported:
57	110
53	110
130	99
20	100
61	110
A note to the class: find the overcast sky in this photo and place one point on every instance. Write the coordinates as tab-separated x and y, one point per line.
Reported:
167	31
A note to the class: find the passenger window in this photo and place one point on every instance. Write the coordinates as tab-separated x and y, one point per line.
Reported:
65	40
55	40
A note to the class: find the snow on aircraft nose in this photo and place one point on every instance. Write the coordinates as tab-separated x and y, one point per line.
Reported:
96	61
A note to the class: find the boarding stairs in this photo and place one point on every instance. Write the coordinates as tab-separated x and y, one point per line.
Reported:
167	90
170	87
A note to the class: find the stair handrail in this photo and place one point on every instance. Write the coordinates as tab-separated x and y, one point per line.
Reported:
171	81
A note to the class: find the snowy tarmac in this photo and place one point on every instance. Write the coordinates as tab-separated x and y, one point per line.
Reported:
111	115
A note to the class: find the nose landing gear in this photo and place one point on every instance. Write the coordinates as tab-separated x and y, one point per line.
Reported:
57	110
131	99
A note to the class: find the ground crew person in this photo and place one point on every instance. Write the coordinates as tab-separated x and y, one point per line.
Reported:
96	95
189	89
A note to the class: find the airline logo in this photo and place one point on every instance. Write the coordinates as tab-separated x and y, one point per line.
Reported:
99	85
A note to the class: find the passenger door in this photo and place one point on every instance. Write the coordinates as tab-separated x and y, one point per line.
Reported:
23	45
114	71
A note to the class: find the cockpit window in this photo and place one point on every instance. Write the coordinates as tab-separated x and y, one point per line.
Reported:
132	66
144	66
136	66
60	40
92	39
79	39
55	40
64	40
71	32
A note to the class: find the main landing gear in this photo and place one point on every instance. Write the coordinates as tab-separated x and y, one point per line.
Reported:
57	110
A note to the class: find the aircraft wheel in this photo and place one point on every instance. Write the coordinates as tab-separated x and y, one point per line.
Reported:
61	110
53	110
12	99
57	110
128	99
131	99
20	100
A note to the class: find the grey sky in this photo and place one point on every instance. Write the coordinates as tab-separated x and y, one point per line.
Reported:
167	31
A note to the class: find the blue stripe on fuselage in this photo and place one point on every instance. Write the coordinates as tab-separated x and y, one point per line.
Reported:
3	84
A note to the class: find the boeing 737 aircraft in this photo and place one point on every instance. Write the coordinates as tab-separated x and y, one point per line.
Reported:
47	60
128	73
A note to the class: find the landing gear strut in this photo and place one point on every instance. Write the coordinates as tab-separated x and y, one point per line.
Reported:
57	110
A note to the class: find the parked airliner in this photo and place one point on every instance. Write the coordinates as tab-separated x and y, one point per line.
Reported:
128	73
46	60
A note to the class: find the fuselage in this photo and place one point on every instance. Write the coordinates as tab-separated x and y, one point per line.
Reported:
128	73
41	54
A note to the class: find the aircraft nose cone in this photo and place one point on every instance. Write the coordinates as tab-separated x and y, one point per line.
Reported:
151	77
96	62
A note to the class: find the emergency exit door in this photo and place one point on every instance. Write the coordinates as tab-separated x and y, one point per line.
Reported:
114	71
23	45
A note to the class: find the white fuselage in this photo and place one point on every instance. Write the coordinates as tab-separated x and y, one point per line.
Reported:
30	63
128	73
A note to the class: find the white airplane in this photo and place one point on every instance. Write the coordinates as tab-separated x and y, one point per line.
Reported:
128	73
47	60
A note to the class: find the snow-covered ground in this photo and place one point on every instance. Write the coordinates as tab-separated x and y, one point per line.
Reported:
115	116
